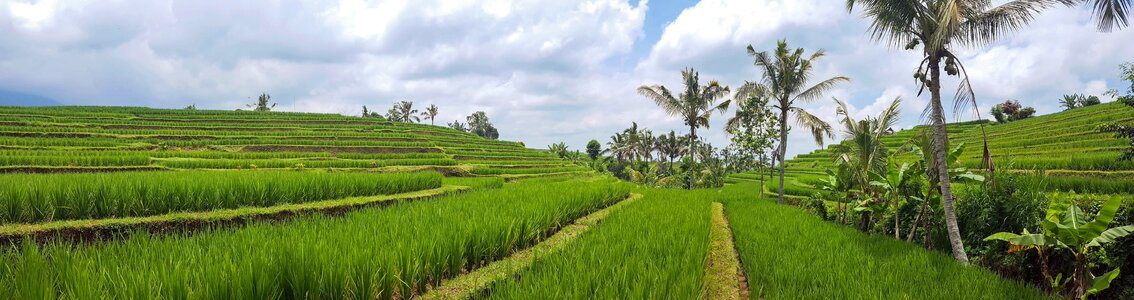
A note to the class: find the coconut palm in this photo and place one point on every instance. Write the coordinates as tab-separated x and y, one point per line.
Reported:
785	82
670	147
619	147
694	105
863	152
430	113
936	26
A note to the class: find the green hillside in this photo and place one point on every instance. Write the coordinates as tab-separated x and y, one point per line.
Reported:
105	139
1065	147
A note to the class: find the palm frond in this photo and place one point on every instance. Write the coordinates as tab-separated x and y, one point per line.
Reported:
986	27
818	128
816	91
663	98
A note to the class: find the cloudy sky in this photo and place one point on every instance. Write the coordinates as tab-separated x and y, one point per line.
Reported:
544	71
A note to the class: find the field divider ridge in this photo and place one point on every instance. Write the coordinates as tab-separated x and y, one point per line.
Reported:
724	277
479	280
91	230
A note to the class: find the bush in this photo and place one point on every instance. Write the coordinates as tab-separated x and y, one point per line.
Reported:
1008	204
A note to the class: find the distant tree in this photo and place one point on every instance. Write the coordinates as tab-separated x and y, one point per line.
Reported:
671	146
1011	110
1070	101
458	126
262	103
1127	75
478	124
430	113
694	105
594	149
1089	101
191	107
404	112
559	149
366	113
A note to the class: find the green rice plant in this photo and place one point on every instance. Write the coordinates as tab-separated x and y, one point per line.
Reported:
788	253
30	198
503	171
75	159
653	248
291	163
383	253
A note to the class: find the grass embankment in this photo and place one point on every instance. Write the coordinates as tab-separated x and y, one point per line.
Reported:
722	275
91	230
467	285
653	248
32	198
788	253
374	253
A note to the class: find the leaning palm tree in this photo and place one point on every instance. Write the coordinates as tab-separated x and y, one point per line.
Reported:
430	113
785	83
936	26
694	105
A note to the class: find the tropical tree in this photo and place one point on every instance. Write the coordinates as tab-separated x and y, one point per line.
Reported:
937	26
863	151
892	184
1065	227
262	103
694	105
1069	102
559	149
594	149
839	183
458	126
430	113
620	147
670	146
754	130
403	111
1109	14
1012	110
478	124
785	80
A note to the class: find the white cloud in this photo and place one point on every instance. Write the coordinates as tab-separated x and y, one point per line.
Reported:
541	69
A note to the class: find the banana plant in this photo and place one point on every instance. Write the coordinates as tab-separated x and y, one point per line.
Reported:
1066	228
892	183
838	182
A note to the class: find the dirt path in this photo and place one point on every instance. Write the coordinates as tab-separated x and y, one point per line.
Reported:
724	278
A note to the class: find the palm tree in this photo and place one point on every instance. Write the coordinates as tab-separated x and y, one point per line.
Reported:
619	147
430	113
863	150
408	114
1069	102
694	105
1110	14
936	25
785	82
669	147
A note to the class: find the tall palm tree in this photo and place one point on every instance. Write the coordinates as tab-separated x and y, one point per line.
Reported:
430	113
785	82
936	26
694	105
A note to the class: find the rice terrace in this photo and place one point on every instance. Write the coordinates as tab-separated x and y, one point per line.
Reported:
859	149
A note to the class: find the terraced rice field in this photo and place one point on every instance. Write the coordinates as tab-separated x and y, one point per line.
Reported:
1066	148
143	204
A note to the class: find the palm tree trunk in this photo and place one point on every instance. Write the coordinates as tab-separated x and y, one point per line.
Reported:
692	158
897	228
783	150
940	143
